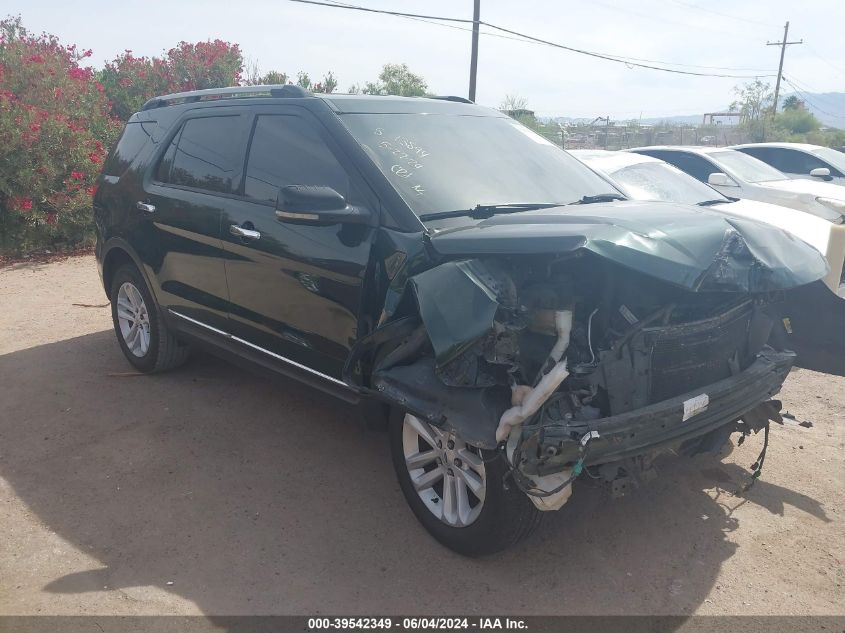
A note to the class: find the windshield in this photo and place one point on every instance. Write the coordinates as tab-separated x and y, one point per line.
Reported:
832	156
450	162
747	167
660	181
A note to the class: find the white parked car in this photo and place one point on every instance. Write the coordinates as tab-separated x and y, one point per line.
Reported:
800	160
642	177
739	175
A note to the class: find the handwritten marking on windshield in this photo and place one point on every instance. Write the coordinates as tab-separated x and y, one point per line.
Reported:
408	154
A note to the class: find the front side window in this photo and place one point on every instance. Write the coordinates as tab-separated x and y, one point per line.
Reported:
659	181
786	160
450	162
286	150
747	167
834	158
205	155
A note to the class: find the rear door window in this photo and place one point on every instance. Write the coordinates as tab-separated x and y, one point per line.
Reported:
207	154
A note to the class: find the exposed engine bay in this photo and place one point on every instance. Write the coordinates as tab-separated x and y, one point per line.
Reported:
567	363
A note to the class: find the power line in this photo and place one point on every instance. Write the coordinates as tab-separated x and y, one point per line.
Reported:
804	96
813	51
385	11
503	36
628	61
658	18
724	15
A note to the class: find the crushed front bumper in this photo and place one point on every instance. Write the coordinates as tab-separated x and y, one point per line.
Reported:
552	448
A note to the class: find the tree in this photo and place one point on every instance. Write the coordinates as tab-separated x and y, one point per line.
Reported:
512	103
303	80
792	102
274	78
253	77
55	129
327	85
397	79
797	121
754	100
516	107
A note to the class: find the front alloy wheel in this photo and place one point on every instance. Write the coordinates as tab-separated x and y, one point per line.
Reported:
460	493
447	474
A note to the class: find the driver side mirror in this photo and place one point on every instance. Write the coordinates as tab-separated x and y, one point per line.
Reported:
821	172
312	204
718	179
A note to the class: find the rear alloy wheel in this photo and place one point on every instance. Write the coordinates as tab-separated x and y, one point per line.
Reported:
144	337
458	492
133	319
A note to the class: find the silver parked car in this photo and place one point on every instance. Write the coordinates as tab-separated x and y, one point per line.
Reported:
800	160
739	175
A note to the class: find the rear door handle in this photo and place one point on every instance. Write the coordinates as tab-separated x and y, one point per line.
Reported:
145	207
247	234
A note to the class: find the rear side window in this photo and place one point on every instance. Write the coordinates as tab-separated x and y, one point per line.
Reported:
286	150
206	154
132	141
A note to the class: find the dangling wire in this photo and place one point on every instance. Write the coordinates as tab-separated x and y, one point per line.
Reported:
757	467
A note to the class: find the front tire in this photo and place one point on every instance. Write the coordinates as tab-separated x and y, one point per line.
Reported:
459	493
142	334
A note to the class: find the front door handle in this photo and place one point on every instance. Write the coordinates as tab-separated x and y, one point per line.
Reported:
247	234
145	207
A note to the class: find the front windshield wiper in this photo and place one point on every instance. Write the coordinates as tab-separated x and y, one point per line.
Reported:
710	203
600	197
483	211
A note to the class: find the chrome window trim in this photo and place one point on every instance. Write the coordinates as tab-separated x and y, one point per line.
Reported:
260	349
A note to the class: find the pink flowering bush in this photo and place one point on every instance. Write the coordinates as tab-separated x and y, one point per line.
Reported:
55	130
129	81
59	118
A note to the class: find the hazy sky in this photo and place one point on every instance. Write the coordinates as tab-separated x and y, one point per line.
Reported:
285	36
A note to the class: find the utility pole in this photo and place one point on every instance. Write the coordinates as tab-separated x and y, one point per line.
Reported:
783	46
473	61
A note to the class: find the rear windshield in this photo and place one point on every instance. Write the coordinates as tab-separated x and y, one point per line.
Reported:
449	162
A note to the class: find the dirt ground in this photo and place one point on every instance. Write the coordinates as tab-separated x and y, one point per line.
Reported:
210	490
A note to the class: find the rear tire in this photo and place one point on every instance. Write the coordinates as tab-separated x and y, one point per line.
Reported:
498	517
142	334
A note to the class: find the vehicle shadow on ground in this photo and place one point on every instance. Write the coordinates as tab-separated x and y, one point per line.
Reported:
259	496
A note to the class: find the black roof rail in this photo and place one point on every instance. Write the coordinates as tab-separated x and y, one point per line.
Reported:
451	98
234	92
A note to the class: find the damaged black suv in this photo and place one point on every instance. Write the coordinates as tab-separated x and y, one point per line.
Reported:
511	318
